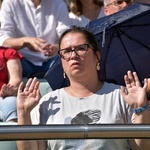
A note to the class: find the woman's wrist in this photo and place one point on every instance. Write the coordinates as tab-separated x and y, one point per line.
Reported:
140	109
24	119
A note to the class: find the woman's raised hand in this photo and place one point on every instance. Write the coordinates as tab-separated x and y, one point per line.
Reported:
134	94
28	97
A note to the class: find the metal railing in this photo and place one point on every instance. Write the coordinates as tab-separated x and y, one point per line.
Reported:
93	131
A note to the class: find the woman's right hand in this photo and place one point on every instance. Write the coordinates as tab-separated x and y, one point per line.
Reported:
27	99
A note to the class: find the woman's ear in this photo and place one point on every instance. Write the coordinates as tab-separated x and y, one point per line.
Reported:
106	11
98	54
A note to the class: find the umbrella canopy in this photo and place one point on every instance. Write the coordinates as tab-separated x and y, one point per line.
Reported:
124	41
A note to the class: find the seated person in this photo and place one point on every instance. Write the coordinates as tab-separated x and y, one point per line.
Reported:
112	6
33	29
85	101
10	78
83	11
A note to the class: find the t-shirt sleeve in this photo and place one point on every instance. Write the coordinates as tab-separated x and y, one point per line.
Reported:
12	54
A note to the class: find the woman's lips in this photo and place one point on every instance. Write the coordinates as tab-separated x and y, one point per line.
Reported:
75	64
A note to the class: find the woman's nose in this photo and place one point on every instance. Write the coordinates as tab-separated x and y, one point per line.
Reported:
74	54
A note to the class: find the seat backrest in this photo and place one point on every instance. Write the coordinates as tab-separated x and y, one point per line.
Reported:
44	86
8	145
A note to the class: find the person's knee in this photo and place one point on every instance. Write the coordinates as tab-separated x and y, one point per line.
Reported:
8	109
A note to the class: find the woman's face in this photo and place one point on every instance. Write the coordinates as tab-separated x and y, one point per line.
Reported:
78	66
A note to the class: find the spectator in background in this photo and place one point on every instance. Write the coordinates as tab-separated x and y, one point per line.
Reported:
33	28
10	78
112	6
83	11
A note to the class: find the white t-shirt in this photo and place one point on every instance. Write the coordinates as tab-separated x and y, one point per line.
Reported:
19	18
104	107
82	20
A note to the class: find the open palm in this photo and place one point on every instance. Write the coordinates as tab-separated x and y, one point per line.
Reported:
134	94
28	97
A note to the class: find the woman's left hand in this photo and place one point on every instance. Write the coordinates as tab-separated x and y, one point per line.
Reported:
133	93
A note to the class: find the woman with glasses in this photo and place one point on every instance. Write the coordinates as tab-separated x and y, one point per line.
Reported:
113	6
86	100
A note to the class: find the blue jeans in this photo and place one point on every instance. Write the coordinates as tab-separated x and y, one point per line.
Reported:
8	110
29	68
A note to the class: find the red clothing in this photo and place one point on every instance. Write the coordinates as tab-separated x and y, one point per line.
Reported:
5	55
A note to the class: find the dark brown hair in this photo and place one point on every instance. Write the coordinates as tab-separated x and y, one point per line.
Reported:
76	6
90	37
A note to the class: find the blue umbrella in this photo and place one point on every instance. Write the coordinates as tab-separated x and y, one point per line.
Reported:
124	41
55	77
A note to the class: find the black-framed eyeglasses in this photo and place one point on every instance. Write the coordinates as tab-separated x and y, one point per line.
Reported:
80	50
116	2
119	2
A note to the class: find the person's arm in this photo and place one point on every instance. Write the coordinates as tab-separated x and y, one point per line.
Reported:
14	72
33	43
14	78
148	86
27	99
136	97
0	3
31	145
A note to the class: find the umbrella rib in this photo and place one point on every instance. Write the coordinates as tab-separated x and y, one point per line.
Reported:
131	45
134	39
117	32
106	56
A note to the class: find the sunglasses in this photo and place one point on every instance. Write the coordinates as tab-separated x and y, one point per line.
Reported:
118	2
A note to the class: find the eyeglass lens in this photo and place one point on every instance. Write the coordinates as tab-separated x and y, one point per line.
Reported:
119	2
79	50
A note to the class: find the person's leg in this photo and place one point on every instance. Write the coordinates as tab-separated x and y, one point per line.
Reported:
48	64
55	75
27	67
30	70
8	110
41	70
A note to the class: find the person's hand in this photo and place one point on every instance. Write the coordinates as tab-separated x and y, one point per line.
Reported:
28	97
133	93
51	50
148	86
36	44
8	90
